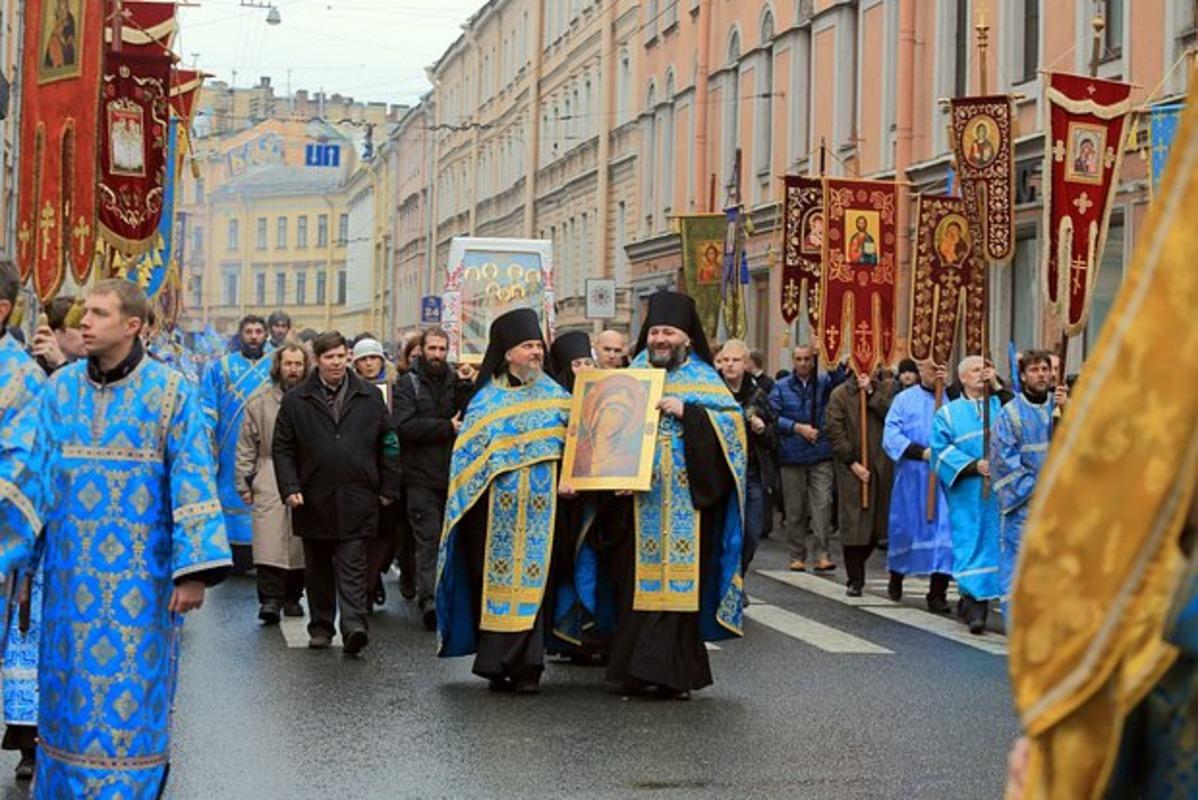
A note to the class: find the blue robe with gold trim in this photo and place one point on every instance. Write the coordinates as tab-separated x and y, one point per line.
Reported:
227	386
132	508
21	381
507	452
957	441
1018	451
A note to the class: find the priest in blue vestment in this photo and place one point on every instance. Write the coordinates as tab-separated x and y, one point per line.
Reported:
226	390
918	545
959	459
676	549
499	553
134	535
1020	446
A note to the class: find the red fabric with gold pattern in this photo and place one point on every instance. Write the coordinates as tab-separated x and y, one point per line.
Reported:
185	87
858	285
984	146
803	235
147	27
949	275
134	118
60	85
1086	124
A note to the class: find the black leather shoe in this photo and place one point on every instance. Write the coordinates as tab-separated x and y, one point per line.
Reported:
26	766
895	588
977	626
293	610
527	686
499	684
355	642
407	585
853	590
268	612
320	641
937	604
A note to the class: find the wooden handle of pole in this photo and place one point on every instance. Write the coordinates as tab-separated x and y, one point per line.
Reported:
864	447
931	510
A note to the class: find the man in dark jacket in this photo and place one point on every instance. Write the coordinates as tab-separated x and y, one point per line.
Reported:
759	425
429	401
336	460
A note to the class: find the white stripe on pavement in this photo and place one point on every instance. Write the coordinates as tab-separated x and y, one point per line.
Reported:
711	646
946	627
818	635
295	632
822	587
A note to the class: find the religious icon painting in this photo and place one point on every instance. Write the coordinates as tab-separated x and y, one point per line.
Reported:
803	248
1087	146
861	247
982	134
983	142
952	240
488	278
710	258
703	264
813	232
613	429
126	138
60	40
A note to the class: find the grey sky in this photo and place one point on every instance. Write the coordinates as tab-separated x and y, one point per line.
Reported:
370	49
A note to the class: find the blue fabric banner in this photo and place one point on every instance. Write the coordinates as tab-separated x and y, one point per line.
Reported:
1162	131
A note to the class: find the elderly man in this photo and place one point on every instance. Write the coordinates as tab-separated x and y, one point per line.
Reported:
497	557
677	548
336	460
799	402
1019	449
959	459
278	555
227	386
612	350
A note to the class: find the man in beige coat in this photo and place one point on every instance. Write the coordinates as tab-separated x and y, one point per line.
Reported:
278	555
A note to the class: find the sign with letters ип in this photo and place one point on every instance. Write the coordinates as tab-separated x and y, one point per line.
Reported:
322	155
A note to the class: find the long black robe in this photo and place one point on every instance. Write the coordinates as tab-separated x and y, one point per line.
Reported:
665	648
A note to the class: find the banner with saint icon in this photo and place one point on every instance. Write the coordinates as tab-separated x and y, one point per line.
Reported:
803	248
948	285
134	133
984	146
487	278
858	289
151	270
60	86
1086	125
703	241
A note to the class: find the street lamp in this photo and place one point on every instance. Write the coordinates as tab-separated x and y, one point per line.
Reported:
273	17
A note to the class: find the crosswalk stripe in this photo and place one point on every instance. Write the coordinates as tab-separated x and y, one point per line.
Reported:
822	587
295	632
712	646
942	626
796	626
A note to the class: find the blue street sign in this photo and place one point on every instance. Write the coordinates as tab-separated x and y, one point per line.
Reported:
322	155
430	309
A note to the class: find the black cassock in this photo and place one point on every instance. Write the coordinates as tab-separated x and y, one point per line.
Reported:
665	648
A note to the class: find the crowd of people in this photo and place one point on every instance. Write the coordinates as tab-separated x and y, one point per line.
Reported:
319	464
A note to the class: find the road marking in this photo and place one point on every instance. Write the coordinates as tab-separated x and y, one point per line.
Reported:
796	626
912	587
943	626
711	646
295	631
822	587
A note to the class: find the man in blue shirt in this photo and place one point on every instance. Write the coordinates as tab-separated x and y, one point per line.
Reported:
798	402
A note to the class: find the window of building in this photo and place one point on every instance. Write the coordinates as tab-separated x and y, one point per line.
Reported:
197	241
229	289
195	290
963	41
1106	285
260	241
259	288
651	15
322	280
281	233
667	151
234	237
301	288
1112	35
343	230
669	15
648	172
1029	58
621	240
199	182
624	88
322	230
301	231
340	287
280	288
732	110
764	124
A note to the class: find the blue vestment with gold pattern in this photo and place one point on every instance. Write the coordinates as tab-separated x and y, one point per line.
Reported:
132	508
21	381
1018	452
227	386
508	450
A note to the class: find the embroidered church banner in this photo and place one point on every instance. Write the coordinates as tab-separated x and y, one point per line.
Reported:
60	87
147	27
948	282
703	241
857	290
1086	122
984	146
151	270
803	237
134	129
735	276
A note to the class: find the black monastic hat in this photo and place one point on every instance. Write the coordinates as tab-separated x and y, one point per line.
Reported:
678	311
566	348
507	331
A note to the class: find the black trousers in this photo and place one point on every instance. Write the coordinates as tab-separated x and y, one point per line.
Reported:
280	585
426	509
382	548
855	557
335	571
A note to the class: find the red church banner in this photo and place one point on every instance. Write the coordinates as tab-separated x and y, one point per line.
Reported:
857	290
60	86
185	87
803	252
147	27
1086	124
949	281
134	119
984	146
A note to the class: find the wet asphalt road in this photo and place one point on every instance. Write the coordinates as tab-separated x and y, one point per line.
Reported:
255	718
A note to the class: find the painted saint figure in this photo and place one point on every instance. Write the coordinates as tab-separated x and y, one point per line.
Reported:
862	247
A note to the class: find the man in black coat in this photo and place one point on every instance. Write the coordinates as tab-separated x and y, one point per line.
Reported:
429	401
336	459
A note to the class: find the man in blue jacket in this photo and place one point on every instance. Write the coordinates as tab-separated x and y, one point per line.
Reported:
798	402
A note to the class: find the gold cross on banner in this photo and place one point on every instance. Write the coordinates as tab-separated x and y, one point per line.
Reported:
80	232
25	236
1079	267
1083	203
48	223
1058	151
